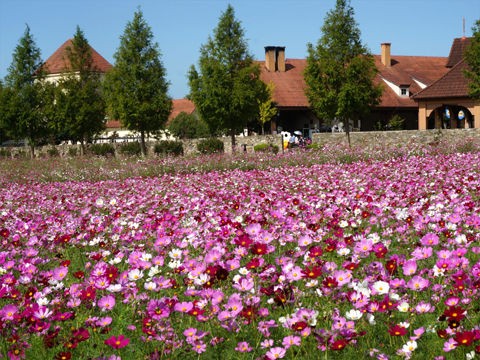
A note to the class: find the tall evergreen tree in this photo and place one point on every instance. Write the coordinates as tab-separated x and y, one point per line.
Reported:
227	87
26	98
472	57
80	104
136	88
340	70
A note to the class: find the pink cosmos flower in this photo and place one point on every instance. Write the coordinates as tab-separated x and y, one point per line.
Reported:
276	353
243	347
8	312
184	306
417	283
410	267
59	273
106	303
117	342
291	340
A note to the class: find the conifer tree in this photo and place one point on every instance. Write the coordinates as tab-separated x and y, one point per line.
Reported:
136	88
80	104
472	57
226	88
26	98
340	71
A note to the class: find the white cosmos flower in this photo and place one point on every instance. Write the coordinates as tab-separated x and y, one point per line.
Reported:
403	307
343	251
381	287
409	346
135	274
114	288
353	314
150	285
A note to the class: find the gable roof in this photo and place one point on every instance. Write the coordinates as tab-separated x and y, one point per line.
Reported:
289	90
456	51
181	105
452	84
58	62
406	71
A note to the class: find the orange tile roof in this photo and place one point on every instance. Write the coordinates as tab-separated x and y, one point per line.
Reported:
58	62
452	84
456	51
181	105
289	90
404	70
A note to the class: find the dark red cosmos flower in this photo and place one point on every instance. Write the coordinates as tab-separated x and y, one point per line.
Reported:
79	274
464	338
397	330
455	313
299	325
315	251
312	272
5	233
442	333
88	294
253	264
338	344
258	249
243	240
64	355
391	266
330	282
81	334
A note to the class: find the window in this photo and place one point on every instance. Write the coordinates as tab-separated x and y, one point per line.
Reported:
404	91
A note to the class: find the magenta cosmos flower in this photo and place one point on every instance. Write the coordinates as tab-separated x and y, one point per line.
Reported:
117	342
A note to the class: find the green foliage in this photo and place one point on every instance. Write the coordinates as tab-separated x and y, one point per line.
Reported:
136	88
395	123
227	86
53	152
80	105
5	153
102	149
188	126
472	57
168	147
340	71
267	108
72	151
27	101
264	147
210	146
130	149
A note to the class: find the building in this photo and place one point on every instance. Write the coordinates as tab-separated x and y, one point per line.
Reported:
446	103
401	76
58	64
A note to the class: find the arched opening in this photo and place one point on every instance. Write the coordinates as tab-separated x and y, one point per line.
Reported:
450	116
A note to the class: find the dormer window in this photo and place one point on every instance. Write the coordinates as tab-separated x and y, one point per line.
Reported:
403	90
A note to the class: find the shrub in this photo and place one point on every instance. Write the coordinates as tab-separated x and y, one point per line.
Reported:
188	126
130	148
263	147
168	147
102	149
5	153
210	146
53	152
395	123
72	151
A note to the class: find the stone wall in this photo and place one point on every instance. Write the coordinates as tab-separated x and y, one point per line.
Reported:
370	138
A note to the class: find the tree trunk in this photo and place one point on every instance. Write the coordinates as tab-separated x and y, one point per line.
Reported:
347	131
82	148
143	148
32	151
232	135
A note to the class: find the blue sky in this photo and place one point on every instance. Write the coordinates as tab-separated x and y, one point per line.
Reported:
180	27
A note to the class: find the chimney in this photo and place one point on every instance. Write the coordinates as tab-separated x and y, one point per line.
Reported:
280	58
386	58
275	58
270	58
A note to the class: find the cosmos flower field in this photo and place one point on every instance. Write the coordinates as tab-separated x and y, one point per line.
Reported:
376	258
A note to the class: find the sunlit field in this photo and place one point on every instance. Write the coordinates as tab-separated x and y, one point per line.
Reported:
329	253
